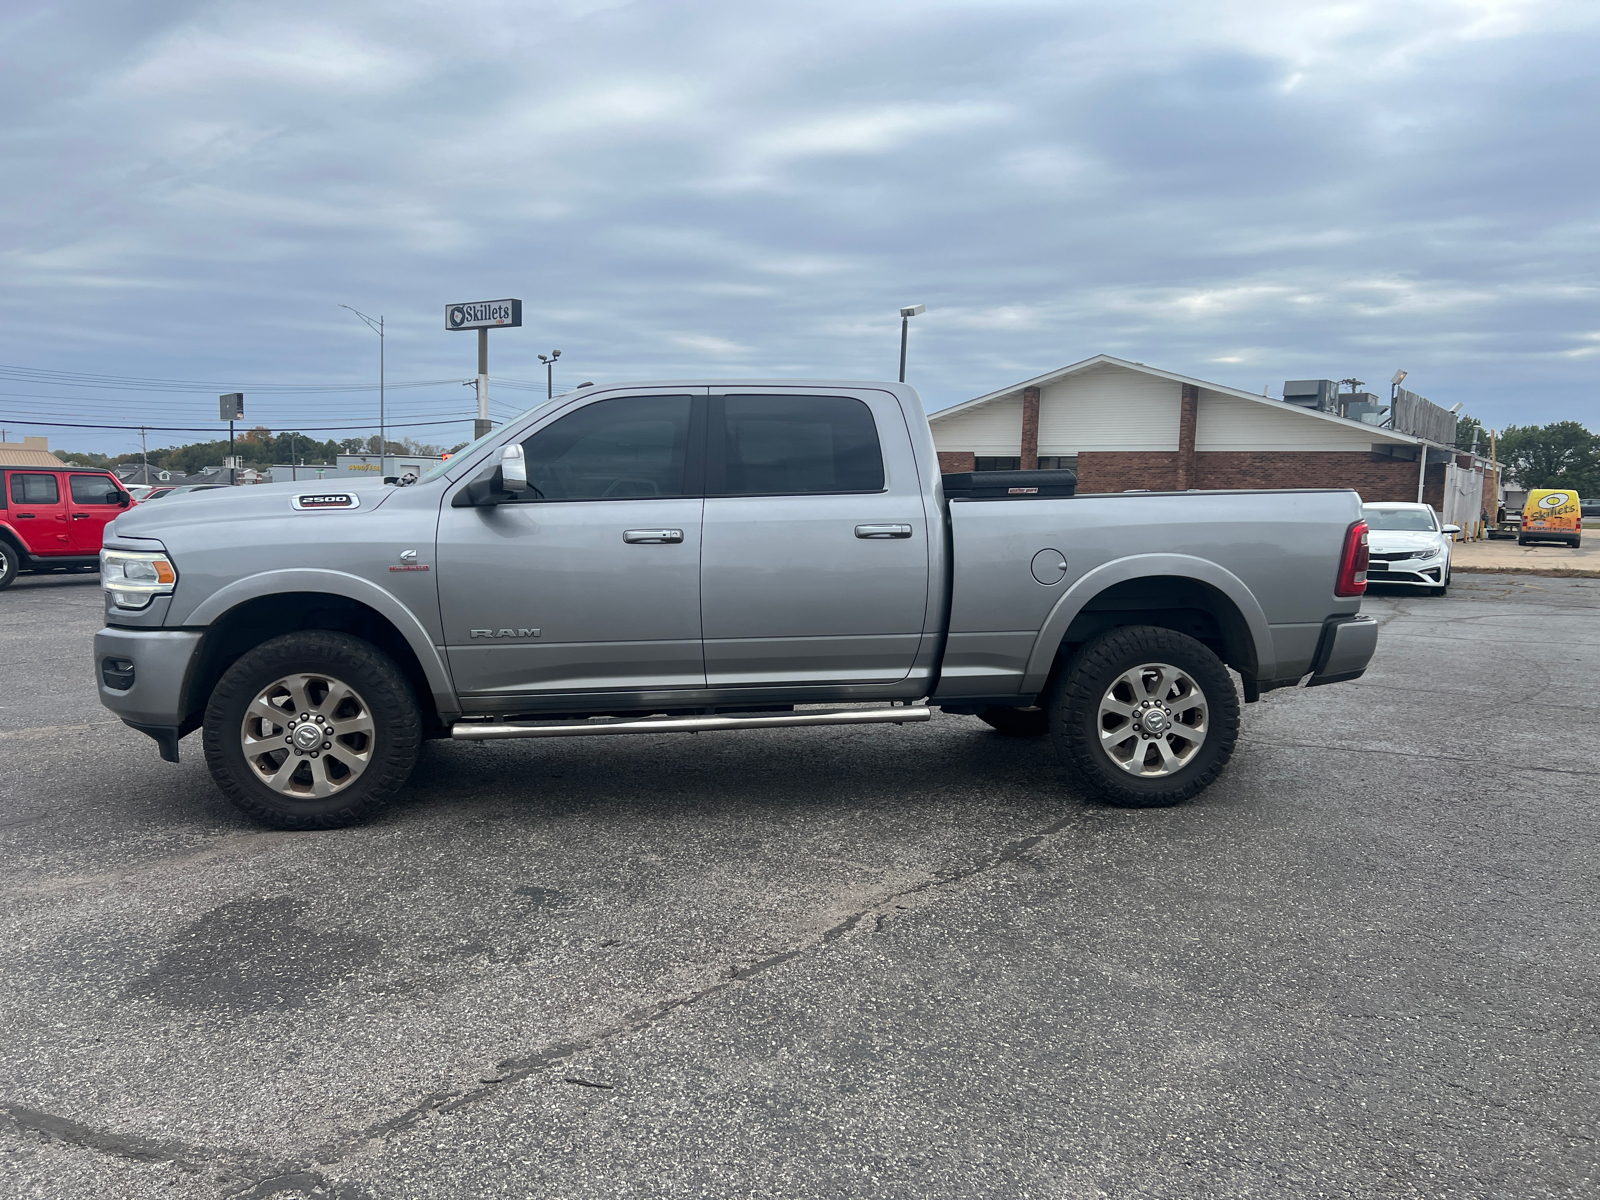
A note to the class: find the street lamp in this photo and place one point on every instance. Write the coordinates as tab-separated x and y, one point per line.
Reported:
383	435
550	373
905	321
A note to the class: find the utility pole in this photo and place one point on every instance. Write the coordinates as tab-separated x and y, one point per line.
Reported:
143	453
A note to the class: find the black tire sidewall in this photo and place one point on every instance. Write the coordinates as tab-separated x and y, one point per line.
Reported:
397	733
10	565
1075	714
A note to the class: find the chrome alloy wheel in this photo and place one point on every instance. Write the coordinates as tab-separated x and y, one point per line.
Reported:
1153	720
308	736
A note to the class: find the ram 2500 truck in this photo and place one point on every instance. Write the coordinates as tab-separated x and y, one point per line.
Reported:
709	556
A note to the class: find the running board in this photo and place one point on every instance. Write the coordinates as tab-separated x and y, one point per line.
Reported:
467	731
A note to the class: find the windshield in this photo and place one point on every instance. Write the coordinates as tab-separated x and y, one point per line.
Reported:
1415	519
438	469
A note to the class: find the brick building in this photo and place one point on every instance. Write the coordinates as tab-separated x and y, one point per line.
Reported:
1123	425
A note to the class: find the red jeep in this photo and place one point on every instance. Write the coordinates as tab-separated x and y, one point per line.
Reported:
51	518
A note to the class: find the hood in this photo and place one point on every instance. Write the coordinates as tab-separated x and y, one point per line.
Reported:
1385	540
148	519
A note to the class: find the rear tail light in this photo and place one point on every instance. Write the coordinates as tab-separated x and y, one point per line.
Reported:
1353	563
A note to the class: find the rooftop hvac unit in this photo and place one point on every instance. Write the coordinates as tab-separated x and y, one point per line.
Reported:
1363	407
1320	394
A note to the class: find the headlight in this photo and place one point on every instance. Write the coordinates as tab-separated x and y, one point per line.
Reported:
133	578
1427	554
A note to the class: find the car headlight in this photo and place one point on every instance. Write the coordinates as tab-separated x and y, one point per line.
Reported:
1427	554
134	578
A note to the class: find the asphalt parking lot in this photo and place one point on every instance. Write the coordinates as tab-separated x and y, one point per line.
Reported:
901	962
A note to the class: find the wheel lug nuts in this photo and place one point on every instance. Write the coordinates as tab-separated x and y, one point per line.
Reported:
327	745
314	754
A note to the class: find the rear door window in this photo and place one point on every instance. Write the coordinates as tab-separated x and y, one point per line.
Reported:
94	489
792	445
28	487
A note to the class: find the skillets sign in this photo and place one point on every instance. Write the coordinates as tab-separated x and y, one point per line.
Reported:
483	314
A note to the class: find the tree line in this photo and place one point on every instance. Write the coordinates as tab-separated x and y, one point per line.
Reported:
258	447
1563	454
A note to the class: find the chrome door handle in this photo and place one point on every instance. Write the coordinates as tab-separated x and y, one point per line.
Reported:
652	535
883	531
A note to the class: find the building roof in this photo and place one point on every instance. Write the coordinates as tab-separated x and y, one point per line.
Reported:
1015	389
29	452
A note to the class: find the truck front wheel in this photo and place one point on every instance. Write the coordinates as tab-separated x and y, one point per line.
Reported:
1146	716
312	730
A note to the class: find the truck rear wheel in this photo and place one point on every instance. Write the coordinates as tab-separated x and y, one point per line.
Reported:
1146	716
1017	722
8	564
312	730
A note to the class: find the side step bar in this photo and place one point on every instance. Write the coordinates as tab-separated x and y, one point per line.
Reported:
467	731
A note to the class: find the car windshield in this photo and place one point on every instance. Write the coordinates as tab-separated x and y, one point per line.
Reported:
438	469
1414	519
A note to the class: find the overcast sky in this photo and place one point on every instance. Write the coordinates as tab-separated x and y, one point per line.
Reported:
1244	192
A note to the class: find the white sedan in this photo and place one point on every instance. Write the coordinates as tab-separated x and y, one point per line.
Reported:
1407	545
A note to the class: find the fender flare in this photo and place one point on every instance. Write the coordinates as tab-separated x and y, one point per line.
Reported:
351	587
1140	566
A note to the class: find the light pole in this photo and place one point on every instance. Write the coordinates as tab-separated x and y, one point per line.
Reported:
383	435
550	373
905	322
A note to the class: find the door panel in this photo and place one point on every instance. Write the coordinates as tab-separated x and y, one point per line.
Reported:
811	586
594	583
91	511
39	512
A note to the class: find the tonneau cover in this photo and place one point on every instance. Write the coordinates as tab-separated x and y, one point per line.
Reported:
1009	485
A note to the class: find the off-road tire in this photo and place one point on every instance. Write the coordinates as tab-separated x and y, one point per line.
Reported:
382	687
1075	714
8	563
1017	722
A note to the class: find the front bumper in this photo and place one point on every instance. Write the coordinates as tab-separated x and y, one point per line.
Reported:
156	701
1348	644
1429	573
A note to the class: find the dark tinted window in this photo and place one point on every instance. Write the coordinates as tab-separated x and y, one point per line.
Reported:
777	445
630	448
34	489
93	489
997	464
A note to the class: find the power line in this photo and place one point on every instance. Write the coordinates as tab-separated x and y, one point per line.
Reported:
136	383
212	429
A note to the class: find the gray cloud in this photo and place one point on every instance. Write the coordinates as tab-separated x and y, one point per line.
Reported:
1243	191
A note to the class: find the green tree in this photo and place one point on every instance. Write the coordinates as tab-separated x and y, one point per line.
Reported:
1560	455
1468	428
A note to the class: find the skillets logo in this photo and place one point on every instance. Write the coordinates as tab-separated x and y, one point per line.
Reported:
317	501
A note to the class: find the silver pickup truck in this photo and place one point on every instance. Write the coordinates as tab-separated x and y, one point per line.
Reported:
699	556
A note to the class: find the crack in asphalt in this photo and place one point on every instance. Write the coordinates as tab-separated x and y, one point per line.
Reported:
262	1180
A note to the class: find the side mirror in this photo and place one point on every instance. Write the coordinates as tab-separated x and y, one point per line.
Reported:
513	468
1451	529
121	499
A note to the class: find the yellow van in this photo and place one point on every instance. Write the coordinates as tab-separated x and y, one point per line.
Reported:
1551	515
